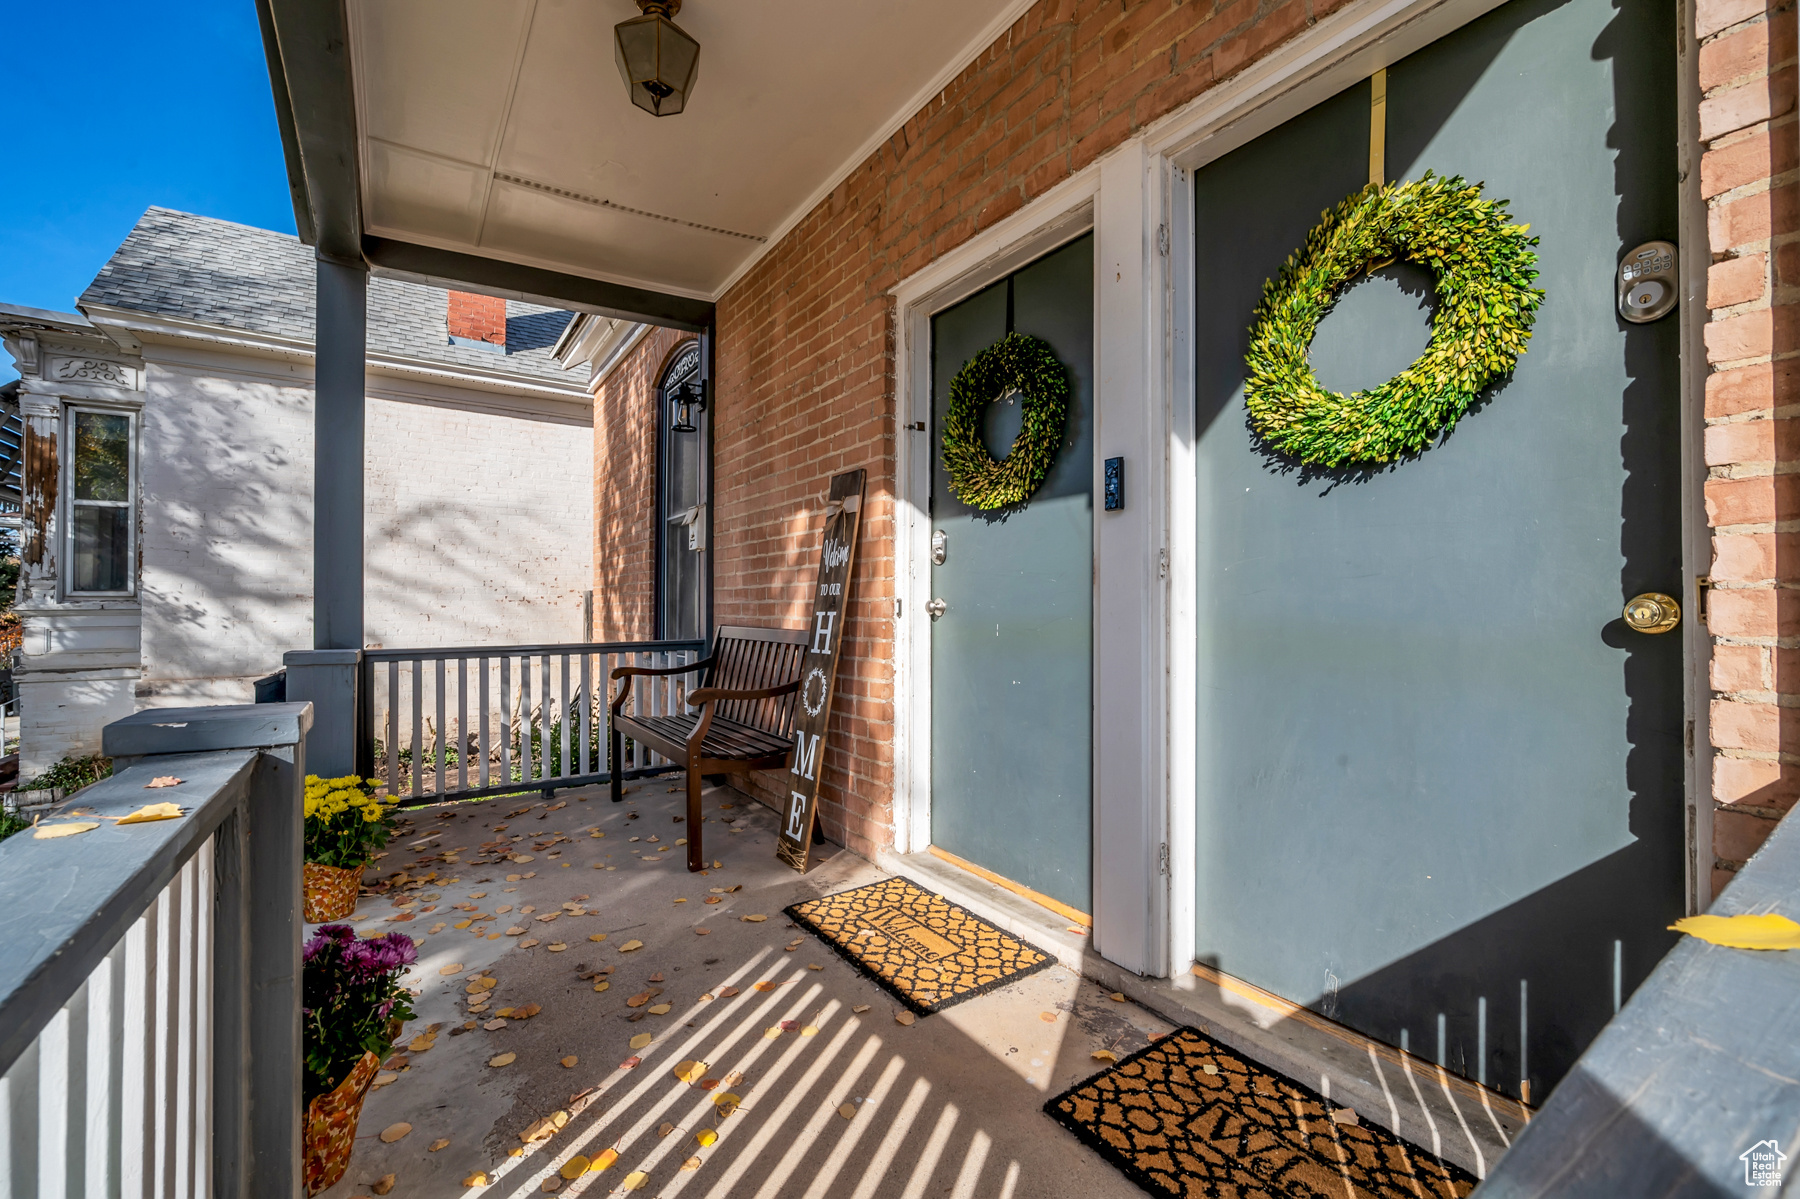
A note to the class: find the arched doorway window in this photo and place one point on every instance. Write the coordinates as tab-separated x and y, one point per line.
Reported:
682	522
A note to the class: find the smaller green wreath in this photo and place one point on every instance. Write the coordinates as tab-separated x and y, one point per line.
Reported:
1483	269
1018	363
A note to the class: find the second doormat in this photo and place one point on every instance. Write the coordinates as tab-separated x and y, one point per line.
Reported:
926	950
1188	1117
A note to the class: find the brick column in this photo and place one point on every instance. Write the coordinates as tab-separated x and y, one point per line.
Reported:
1748	133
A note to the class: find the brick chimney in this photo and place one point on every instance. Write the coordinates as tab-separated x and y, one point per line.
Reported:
477	320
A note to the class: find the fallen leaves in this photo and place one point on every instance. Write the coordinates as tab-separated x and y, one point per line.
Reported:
641	1040
574	1168
596	936
1765	932
555	947
440	1143
452	968
544	1129
154	811
728	992
504	1059
383	1185
706	1137
690	1071
1344	1115
516	931
766	985
756	918
162	780
635	1180
713	899
772	1032
602	985
394	1132
661	1009
1117	997
631	946
692	1163
860	1008
643	997
666	1129
570	1062
1047	1017
50	832
703	932
726	1102
1104	1055
603	1160
630	1063
495	1025
847	1110
905	1018
478	1179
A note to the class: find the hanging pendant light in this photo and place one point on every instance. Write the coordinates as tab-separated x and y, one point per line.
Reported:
657	58
686	399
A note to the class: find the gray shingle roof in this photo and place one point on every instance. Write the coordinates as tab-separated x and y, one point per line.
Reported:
236	277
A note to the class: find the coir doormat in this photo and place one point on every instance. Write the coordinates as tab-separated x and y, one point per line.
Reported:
926	950
1187	1117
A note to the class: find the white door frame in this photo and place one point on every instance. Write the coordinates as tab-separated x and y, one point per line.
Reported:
1138	199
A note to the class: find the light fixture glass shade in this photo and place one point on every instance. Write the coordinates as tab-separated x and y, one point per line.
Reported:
658	61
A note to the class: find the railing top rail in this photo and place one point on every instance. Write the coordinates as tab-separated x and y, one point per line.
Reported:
66	901
432	653
1693	1076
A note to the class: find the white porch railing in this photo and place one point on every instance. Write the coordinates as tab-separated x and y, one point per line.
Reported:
149	1013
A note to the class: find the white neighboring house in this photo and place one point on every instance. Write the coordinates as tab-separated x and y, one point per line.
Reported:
166	540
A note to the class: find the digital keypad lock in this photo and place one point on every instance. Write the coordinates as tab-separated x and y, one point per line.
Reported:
1648	282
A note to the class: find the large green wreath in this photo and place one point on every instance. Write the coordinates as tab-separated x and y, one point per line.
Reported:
1483	268
1017	362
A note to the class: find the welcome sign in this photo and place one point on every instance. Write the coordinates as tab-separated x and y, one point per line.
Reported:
818	672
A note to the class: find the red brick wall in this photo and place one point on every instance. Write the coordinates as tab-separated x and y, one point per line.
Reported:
806	339
1747	126
625	491
478	318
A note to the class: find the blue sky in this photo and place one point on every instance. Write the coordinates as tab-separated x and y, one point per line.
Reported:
114	107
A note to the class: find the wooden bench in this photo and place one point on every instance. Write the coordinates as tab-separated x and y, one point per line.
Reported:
744	719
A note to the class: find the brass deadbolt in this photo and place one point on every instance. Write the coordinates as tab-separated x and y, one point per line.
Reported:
1652	612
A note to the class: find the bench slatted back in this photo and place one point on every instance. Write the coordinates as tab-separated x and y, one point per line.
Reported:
748	659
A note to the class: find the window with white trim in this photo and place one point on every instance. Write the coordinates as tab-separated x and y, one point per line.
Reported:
101	487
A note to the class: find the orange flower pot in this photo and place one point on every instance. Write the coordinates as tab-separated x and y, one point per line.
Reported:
329	892
330	1131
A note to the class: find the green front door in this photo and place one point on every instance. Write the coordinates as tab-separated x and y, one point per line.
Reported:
1440	782
1011	670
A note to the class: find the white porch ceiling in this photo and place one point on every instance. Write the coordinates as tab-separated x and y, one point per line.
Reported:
501	127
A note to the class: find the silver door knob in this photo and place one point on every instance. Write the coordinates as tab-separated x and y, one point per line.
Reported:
936	608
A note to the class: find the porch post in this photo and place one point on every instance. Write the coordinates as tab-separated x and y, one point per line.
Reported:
328	674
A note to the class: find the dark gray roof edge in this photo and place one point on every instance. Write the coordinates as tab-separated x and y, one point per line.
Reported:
20	314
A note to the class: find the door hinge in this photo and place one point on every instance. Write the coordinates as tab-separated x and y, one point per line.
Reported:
899	608
1162	240
1162	563
1162	858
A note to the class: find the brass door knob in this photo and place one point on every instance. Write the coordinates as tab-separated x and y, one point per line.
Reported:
1652	612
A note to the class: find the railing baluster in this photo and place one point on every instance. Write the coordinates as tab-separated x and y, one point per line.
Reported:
564	711
416	677
186	1052
482	741
137	1112
391	751
545	711
587	707
462	724
505	719
437	765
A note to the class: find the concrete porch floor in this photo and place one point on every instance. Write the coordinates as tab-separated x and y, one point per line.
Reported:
950	1106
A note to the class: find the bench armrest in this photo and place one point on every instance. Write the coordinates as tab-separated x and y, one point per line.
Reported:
619	672
707	695
625	672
